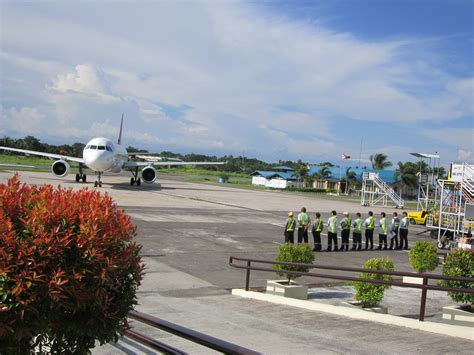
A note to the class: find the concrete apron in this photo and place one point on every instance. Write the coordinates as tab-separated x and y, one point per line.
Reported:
438	328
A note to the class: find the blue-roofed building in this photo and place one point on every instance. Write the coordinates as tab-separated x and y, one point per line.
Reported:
338	173
275	179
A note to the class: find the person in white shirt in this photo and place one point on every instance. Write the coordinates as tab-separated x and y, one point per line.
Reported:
404	232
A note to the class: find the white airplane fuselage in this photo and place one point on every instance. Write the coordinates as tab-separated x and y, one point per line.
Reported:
102	155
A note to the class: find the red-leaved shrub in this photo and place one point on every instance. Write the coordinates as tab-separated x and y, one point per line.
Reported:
69	270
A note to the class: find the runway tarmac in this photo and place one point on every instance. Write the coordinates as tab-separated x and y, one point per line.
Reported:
189	230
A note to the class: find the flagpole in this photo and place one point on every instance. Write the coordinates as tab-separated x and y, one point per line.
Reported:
360	150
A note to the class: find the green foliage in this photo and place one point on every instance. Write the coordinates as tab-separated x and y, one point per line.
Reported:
292	253
459	262
69	269
379	161
369	294
305	189
423	256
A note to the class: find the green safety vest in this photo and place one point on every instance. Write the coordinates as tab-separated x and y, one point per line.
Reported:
358	225
333	225
304	219
371	224
348	223
383	226
318	225
290	225
397	222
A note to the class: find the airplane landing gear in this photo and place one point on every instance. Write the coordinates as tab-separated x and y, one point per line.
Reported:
81	175
98	183
135	179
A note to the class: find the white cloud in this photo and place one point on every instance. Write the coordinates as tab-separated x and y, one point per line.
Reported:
26	120
253	80
464	155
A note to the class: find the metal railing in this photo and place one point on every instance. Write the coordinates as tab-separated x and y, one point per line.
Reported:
424	286
180	331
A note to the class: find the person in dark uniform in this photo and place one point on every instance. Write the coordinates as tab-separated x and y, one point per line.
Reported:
369	231
316	230
383	225
395	225
357	234
404	232
345	231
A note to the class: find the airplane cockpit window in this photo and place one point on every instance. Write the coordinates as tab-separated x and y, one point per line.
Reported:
109	148
93	147
101	147
87	146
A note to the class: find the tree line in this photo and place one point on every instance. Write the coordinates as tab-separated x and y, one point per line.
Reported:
406	174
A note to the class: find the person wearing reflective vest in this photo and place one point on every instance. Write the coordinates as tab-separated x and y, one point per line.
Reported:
383	225
303	226
404	232
332	231
290	229
369	231
395	225
345	231
357	233
316	230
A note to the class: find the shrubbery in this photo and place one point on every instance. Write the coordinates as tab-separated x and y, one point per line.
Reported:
305	189
460	262
292	253
423	256
370	294
69	270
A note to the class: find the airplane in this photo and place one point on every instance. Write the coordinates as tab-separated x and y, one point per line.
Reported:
102	155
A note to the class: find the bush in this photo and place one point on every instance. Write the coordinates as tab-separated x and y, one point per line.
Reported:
292	253
305	189
460	262
69	270
423	256
369	294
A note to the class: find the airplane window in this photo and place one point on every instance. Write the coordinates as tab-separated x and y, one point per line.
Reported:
109	148
93	147
87	146
101	147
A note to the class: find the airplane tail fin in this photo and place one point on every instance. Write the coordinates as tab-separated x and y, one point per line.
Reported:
120	133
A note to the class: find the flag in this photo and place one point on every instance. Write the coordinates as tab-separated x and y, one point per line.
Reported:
345	157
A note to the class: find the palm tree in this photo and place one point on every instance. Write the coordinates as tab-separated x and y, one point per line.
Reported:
350	177
322	173
405	175
379	161
301	170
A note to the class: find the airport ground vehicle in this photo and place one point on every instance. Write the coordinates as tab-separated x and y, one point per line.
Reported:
418	217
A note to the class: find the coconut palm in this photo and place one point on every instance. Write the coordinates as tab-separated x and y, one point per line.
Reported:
350	177
322	173
379	161
405	175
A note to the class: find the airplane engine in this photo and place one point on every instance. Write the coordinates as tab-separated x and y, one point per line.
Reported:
149	174
60	168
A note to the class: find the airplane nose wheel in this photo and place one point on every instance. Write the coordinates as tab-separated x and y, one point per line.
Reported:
98	183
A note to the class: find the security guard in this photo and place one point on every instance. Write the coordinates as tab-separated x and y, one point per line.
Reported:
290	229
357	233
303	226
383	225
395	225
369	231
404	232
332	231
316	230
345	231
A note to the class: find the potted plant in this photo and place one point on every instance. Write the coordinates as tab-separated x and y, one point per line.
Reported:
423	257
369	295
459	262
291	253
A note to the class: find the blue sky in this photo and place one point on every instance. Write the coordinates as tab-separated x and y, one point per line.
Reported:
272	80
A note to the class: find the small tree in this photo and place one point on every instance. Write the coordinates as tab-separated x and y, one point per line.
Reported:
369	294
460	262
292	253
423	256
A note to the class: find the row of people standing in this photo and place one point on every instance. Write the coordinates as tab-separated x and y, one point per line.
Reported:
397	227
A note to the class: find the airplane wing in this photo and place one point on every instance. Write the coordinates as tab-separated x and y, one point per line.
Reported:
49	155
135	164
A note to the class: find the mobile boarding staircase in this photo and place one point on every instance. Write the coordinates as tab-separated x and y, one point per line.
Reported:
375	191
456	208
